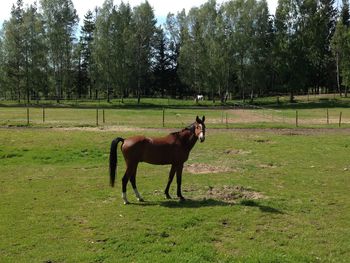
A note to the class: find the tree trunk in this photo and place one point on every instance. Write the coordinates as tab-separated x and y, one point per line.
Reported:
291	98
138	92
338	78
139	78
108	100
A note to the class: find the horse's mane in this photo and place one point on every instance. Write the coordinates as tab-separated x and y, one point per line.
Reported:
188	128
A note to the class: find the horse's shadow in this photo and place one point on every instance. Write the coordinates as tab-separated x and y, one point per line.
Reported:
193	203
263	208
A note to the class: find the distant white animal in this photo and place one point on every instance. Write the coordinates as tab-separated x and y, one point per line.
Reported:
199	97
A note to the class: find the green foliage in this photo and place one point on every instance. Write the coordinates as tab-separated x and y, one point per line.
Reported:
86	64
143	22
341	49
60	24
222	50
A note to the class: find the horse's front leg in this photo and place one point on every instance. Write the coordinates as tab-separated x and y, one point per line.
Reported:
179	179
171	177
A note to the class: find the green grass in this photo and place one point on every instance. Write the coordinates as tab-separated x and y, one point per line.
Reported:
56	205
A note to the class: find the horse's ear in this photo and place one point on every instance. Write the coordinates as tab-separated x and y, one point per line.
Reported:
198	119
203	119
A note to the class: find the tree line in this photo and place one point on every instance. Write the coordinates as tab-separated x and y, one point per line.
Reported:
235	48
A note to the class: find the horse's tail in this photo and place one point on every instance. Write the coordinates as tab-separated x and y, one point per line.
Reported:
113	160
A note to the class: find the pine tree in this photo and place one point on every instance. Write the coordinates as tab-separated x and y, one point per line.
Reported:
86	64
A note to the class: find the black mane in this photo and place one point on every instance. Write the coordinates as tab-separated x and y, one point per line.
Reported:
190	128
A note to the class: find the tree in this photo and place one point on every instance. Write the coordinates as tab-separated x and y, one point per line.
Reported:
102	47
161	63
14	50
291	52
191	52
214	55
35	60
143	22
262	71
60	24
122	52
2	66
317	25
341	49
175	30
345	13
86	63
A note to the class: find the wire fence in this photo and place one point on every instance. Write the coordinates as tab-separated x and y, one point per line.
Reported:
165	117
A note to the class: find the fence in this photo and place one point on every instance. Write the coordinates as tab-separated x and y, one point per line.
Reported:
163	117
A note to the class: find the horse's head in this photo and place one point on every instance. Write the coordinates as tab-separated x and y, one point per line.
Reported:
199	129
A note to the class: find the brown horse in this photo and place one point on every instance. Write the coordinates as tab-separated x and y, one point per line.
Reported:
172	149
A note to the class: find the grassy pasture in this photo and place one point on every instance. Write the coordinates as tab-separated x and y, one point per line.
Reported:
56	205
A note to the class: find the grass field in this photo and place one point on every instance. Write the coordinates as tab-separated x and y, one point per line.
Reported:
255	196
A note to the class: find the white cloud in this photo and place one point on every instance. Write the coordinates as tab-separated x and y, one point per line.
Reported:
161	7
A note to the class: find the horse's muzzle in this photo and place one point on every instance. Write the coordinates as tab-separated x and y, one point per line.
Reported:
202	139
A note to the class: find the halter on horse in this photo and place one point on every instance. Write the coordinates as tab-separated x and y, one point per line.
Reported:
172	149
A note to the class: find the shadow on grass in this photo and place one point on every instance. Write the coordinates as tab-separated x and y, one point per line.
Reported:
263	208
190	203
212	202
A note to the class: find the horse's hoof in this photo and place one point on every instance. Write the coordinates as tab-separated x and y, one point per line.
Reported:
141	200
126	202
182	199
168	197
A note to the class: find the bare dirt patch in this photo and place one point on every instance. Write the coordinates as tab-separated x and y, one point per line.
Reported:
248	116
101	129
236	151
232	193
202	168
269	165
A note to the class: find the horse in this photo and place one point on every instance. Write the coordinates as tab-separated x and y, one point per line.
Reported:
198	98
172	149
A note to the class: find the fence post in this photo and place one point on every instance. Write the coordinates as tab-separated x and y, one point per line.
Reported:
327	117
27	116
163	116
296	118
97	117
103	115
340	119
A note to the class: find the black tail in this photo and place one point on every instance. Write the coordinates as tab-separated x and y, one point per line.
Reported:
113	160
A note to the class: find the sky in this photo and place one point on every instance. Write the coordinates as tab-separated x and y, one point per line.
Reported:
161	7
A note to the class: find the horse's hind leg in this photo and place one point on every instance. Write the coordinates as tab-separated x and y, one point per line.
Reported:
125	180
171	177
179	179
133	183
